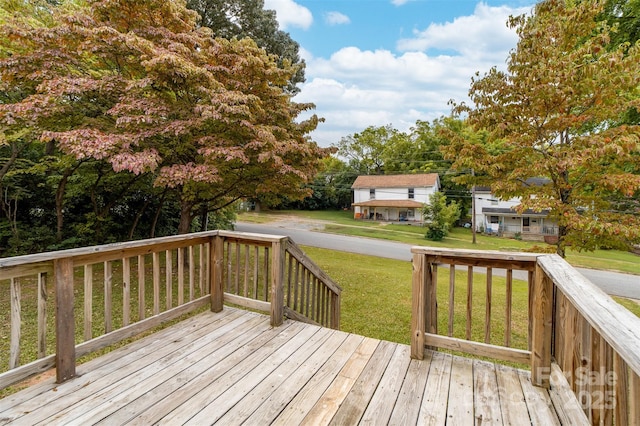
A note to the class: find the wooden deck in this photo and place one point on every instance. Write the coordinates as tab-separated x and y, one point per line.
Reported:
233	367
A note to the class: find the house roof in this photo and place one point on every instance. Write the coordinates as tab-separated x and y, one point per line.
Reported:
396	181
410	204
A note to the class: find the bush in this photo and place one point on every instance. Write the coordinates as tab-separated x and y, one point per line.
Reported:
439	217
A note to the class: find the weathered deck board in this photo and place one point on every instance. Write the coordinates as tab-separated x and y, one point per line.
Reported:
232	367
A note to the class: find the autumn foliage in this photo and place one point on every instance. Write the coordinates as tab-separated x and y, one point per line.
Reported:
557	113
137	84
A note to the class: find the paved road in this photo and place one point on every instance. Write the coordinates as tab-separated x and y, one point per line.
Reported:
612	283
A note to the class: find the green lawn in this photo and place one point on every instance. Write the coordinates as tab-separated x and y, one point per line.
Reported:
376	299
342	222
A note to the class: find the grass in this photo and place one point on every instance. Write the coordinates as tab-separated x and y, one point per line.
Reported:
342	222
376	299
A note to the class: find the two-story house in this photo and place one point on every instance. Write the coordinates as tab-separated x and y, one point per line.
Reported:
496	216
394	198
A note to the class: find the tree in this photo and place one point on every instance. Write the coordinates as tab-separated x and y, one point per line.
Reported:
138	85
247	18
439	217
365	151
331	188
556	114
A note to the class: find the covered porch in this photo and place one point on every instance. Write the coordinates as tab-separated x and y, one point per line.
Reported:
389	210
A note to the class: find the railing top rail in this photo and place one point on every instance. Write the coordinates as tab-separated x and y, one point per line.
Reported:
109	251
476	254
250	236
617	325
102	249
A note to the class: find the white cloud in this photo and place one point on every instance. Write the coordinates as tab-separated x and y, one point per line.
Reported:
483	34
355	88
290	14
336	18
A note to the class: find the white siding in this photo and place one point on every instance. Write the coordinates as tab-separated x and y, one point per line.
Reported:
421	195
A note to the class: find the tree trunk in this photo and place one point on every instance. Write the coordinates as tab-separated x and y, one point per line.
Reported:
185	217
561	245
152	233
60	202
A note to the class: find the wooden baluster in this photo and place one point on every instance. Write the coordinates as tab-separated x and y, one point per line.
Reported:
42	315
201	268
256	270
296	286
267	274
469	301
126	291
314	299
88	302
599	385
530	282
586	362
16	322
487	318
621	387
156	282
432	292
289	279
180	276
634	397
246	271
277	280
108	297
168	283
318	304
508	302
192	274
228	266
452	287
207	268
141	288
335	311
216	254
236	281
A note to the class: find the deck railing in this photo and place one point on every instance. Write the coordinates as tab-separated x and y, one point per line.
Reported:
572	327
66	304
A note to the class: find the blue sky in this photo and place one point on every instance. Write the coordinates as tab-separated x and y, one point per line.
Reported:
379	62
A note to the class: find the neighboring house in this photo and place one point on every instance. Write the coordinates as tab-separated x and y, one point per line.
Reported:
496	216
394	198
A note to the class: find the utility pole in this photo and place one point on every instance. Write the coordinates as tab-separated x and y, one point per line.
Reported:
473	208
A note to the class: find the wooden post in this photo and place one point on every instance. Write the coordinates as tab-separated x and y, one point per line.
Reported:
277	282
335	311
216	267
65	323
542	328
418	306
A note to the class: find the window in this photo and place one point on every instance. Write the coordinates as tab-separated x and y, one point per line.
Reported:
372	194
411	193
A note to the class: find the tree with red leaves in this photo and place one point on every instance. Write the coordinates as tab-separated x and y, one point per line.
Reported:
138	84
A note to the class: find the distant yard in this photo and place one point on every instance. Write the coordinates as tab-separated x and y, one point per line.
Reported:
342	222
